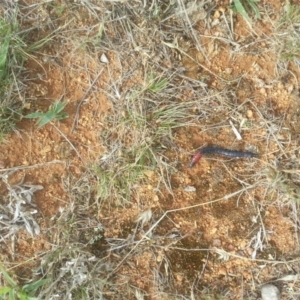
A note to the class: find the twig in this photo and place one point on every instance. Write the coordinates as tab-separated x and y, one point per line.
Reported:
33	166
83	98
68	141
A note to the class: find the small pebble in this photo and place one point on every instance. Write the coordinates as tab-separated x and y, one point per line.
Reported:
216	15
104	58
249	114
216	243
270	292
190	189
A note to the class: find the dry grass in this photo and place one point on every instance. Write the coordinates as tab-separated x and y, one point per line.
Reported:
151	99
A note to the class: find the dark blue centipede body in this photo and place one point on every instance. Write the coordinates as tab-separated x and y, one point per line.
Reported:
220	151
226	152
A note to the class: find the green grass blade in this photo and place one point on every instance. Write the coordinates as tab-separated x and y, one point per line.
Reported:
62	116
7	278
3	57
34	115
12	294
46	118
31	288
57	107
3	53
5	290
241	10
39	44
255	8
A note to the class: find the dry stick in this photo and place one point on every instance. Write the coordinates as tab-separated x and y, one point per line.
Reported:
230	28
68	141
83	98
259	260
33	166
231	254
225	40
226	197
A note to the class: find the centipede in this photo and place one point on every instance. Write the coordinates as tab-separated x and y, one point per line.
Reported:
220	151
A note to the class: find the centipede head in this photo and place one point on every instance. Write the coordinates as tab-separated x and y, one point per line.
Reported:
195	159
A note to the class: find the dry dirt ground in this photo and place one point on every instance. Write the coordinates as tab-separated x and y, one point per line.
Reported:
218	230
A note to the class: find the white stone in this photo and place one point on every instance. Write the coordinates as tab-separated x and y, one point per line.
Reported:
270	292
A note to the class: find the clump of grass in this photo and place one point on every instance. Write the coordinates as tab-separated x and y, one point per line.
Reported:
14	51
7	115
73	273
285	179
77	265
155	84
5	32
287	33
8	119
13	291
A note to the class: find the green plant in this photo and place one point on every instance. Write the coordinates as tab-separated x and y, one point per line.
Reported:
8	120
291	15
244	6
7	115
14	51
118	185
288	40
156	85
54	113
4	36
291	51
13	291
56	8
